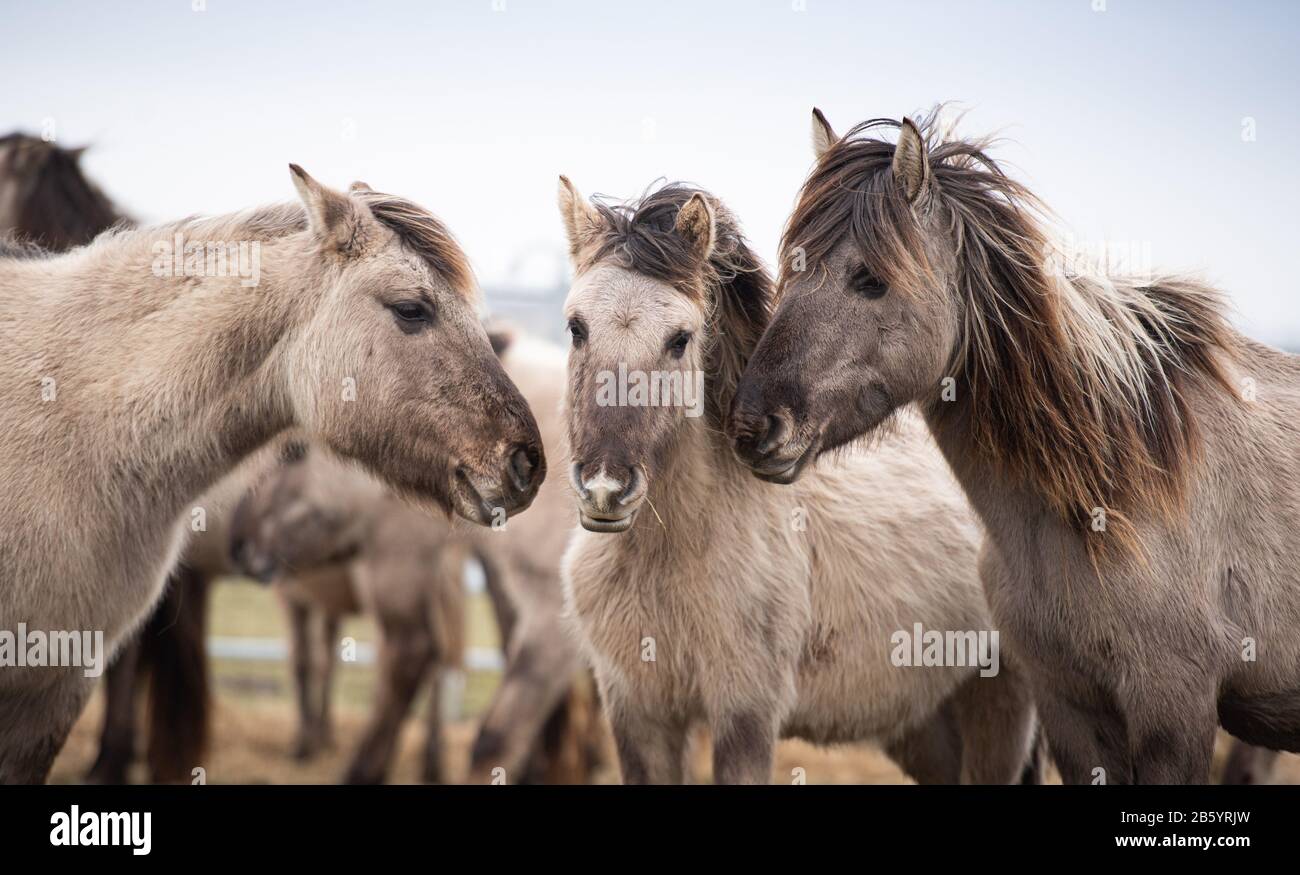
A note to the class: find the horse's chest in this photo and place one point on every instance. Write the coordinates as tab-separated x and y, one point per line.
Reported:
682	637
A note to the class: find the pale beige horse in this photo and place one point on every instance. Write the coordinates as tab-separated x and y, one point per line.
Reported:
132	377
1132	455
703	596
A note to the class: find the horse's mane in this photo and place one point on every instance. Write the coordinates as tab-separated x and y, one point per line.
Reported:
61	208
21	250
638	235
419	229
424	233
1077	384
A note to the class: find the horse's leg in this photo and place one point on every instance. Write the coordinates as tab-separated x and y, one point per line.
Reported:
930	752
117	740
325	663
996	719
498	590
175	650
651	747
34	724
300	647
1172	732
1248	764
744	746
432	772
404	660
1084	725
539	670
1088	742
566	746
1159	728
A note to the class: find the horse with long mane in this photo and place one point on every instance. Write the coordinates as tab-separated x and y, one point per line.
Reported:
137	371
705	597
1132	456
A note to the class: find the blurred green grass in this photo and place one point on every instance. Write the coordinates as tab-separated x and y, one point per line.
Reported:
241	608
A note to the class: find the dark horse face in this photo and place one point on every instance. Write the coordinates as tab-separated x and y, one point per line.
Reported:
865	323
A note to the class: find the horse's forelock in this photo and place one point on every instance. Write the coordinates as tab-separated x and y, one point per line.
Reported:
733	282
851	194
425	234
416	227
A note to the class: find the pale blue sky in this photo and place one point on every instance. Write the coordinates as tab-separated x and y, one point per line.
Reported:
1127	121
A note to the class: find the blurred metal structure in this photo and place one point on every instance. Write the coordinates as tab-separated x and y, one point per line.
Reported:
537	306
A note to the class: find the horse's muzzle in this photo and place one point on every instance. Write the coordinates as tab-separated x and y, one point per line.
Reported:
608	501
489	501
769	445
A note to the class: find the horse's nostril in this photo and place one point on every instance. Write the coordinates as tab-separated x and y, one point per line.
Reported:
774	435
635	486
523	464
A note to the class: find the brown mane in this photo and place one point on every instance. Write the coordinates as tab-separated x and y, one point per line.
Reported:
418	229
425	234
1077	385
638	235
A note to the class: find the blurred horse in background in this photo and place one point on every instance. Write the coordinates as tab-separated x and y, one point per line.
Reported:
46	199
349	544
543	724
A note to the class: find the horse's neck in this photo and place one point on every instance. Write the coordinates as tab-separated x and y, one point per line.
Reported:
187	373
686	498
1006	507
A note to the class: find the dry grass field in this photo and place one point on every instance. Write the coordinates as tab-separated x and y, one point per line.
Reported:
254	719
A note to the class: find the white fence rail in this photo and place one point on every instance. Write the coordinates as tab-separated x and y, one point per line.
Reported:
277	650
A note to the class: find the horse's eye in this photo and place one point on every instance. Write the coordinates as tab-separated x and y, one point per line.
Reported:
578	331
411	311
865	284
677	344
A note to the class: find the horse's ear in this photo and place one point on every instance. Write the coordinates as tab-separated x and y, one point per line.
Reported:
911	164
822	135
581	221
697	225
358	186
334	218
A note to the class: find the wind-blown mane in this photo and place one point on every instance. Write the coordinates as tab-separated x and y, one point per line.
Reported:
1076	384
423	233
54	205
638	235
419	230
